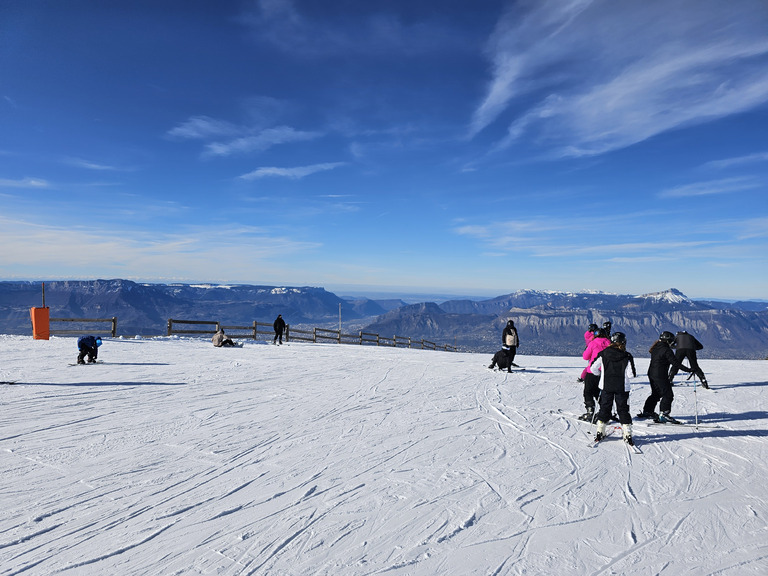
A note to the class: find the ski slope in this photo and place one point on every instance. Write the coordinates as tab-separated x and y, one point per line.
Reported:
175	457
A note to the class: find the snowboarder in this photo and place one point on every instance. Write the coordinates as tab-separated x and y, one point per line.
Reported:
614	365
591	381
220	339
685	348
88	346
662	358
279	327
510	342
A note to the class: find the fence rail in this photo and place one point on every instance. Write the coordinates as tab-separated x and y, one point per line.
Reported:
112	331
314	335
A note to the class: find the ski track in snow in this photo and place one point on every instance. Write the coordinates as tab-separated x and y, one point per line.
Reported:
174	457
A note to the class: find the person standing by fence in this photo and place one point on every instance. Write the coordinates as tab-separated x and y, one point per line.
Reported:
279	327
510	342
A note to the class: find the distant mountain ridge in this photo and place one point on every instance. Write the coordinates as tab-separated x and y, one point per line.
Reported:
549	322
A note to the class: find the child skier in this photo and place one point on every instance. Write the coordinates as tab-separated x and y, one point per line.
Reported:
662	358
614	364
591	381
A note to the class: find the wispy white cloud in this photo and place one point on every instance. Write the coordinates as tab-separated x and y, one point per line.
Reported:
203	128
712	187
89	165
294	173
24	183
586	77
738	161
261	141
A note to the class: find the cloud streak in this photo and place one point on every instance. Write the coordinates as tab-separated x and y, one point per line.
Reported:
587	77
295	173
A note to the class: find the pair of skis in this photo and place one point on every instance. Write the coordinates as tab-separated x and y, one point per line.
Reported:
609	429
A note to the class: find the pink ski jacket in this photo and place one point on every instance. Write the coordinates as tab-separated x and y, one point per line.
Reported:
593	349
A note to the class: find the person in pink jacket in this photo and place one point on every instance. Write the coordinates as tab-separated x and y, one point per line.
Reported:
591	381
589	335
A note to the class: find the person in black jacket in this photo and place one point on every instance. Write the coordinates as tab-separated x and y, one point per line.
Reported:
614	364
279	326
662	358
685	348
510	342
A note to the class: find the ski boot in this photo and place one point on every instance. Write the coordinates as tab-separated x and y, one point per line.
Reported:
627	431
665	418
704	384
589	415
643	415
600	431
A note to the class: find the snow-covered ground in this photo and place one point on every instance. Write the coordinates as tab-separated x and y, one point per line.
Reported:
174	457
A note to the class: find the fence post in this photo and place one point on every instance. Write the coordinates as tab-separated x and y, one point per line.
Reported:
287	332
114	326
255	329
170	326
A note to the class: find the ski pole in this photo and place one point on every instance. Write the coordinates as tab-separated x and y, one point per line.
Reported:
696	402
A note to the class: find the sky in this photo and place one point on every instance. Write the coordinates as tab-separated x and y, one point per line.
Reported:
459	147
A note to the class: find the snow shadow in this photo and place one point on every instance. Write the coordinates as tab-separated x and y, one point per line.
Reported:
708	432
101	384
739	385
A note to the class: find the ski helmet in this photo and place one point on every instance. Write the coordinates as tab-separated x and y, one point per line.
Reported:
600	333
619	338
592	327
666	336
98	341
607	326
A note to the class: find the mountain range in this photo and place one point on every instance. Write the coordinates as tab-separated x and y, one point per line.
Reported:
548	322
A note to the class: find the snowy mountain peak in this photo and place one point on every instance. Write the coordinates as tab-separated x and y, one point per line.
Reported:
671	296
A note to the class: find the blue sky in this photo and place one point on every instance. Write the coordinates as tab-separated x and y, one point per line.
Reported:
446	146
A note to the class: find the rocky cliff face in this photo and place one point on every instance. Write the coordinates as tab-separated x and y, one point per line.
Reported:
553	323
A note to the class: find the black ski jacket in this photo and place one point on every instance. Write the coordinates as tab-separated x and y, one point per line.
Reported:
612	365
685	341
661	359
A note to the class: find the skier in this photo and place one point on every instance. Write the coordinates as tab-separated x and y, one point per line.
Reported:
88	346
220	339
279	327
591	381
607	328
589	335
510	342
662	358
685	347
614	364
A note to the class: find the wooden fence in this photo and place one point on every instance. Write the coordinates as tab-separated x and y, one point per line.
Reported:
265	330
112	331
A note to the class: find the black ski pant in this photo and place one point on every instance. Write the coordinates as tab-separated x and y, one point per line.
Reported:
690	355
621	399
661	392
92	354
511	351
591	390
278	336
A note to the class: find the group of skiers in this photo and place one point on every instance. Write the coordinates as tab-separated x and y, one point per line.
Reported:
609	368
606	377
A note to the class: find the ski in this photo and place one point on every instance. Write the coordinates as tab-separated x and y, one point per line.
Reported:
679	423
8	381
85	363
595	442
634	448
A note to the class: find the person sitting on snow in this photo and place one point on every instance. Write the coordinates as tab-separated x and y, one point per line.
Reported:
501	359
222	340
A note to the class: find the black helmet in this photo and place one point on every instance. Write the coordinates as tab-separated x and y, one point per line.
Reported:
592	327
619	338
607	326
600	333
667	336
510	323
